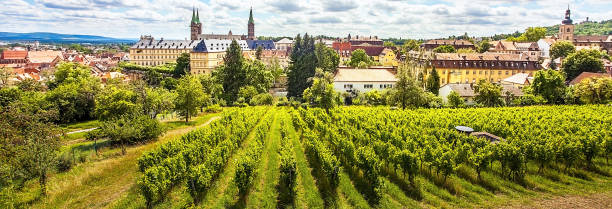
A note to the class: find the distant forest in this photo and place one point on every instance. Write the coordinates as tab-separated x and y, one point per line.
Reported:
588	28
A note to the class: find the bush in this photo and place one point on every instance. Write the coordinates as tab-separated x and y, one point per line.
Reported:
262	99
64	162
214	108
282	101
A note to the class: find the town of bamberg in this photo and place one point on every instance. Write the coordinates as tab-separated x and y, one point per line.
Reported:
312	104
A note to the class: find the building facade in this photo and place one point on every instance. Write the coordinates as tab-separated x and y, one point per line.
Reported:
566	33
457	44
363	80
470	68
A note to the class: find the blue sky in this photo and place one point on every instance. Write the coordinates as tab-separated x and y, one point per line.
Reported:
384	18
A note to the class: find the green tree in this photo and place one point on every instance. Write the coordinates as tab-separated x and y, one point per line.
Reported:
116	101
29	144
594	91
190	96
5	76
183	63
445	49
156	101
9	95
327	58
322	93
488	94
232	74
562	49
211	87
258	53
410	45
359	56
484	46
303	62
247	92
586	60
406	91
534	34
131	129
455	100
550	84
433	82
258	75
389	44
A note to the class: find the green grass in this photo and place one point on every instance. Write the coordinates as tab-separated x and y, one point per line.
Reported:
80	125
307	194
263	193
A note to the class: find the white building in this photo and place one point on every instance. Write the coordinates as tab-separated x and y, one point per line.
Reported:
283	44
363	80
544	45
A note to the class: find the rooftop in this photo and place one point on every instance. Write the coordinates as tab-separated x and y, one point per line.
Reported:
586	75
364	75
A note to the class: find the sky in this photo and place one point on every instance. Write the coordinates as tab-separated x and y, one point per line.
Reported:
383	18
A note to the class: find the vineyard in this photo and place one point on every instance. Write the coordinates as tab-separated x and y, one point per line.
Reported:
377	157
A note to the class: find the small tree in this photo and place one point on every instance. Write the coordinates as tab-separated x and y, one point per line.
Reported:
359	56
561	49
433	82
406	91
322	92
183	63
258	52
190	96
550	84
594	91
488	94
445	49
455	100
586	60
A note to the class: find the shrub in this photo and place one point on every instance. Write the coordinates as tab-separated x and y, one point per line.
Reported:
262	99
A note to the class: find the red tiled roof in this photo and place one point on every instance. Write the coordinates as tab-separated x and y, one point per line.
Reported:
12	54
585	75
370	50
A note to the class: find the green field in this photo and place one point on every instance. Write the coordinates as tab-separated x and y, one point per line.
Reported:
351	157
376	157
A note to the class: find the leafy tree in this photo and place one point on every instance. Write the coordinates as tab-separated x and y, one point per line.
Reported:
594	91
5	76
115	102
532	34
562	49
410	45
9	95
153	78
433	82
455	100
586	60
550	84
74	101
359	56
258	53
484	46
374	97
388	44
156	101
190	96
445	49
169	83
69	72
488	94
322	92
29	84
262	99
406	91
327	58
259	76
182	65
302	67
29	144
131	129
211	86
232	74
247	92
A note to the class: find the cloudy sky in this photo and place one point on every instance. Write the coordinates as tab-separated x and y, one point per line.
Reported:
385	18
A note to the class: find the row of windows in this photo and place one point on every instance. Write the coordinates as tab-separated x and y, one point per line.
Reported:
165	51
472	81
480	72
487	64
157	57
369	86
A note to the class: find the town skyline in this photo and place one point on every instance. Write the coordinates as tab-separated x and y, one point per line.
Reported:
386	19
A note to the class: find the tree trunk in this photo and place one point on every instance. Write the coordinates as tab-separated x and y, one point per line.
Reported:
96	145
43	183
187	117
123	149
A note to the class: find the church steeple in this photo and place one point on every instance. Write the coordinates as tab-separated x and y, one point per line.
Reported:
196	26
568	16
193	15
198	16
251	21
251	26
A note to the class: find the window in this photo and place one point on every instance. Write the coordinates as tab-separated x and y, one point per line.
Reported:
507	72
474	72
348	86
368	86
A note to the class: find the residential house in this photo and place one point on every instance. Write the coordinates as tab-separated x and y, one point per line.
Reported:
588	75
363	80
519	80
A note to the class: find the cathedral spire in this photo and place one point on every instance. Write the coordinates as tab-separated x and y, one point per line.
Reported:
251	21
193	15
198	16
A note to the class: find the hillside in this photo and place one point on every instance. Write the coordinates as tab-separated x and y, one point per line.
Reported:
59	38
590	28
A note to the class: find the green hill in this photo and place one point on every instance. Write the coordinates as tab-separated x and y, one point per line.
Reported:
590	28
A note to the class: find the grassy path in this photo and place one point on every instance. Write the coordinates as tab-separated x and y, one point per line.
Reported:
263	193
97	184
224	192
307	195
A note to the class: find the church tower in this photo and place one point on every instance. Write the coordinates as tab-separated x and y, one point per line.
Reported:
196	25
566	29
251	26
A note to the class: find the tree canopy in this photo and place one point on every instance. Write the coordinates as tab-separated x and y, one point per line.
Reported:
561	49
586	60
488	94
303	62
433	82
359	56
550	84
189	97
445	49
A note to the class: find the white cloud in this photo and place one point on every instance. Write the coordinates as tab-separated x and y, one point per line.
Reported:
383	18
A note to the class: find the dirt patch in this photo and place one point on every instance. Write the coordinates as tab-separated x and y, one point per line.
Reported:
594	201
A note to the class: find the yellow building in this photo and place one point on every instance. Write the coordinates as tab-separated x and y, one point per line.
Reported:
388	58
470	68
205	55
